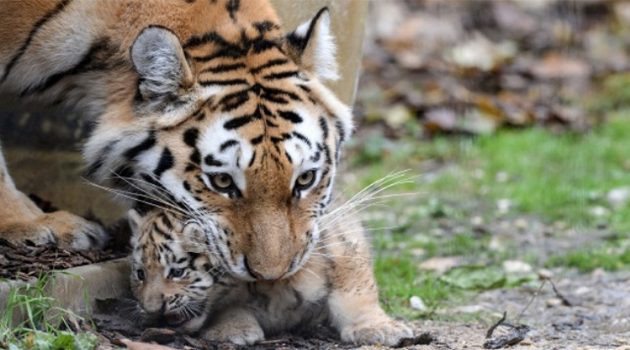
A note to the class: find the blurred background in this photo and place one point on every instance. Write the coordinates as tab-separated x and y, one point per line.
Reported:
511	119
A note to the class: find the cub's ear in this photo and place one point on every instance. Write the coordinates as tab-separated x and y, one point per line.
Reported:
159	59
312	46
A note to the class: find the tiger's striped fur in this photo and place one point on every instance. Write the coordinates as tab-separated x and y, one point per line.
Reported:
336	285
184	93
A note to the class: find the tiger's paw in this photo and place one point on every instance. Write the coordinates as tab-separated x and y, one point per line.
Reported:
244	334
381	330
27	233
74	232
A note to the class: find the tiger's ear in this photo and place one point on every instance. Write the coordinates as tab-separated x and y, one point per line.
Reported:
312	46
159	59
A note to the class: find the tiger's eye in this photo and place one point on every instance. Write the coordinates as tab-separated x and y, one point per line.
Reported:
176	273
222	181
306	179
141	275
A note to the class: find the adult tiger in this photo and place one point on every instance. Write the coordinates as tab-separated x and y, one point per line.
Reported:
206	103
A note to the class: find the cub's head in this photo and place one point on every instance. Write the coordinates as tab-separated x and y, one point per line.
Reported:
233	128
173	278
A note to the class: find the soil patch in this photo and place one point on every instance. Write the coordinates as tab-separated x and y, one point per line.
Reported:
27	262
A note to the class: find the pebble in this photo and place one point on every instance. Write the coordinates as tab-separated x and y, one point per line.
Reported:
521	224
525	343
618	197
515	266
553	302
504	206
416	303
476	221
544	274
599	211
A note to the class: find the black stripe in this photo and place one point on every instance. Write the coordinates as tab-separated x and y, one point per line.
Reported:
211	161
265	26
234	100
271	63
323	124
190	137
257	140
224	82
143	146
288	157
238	122
223	68
282	75
340	130
251	161
302	138
36	27
166	162
206	38
290	116
227	144
231	52
232	7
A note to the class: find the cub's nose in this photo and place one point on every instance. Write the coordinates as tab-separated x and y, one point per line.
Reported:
266	274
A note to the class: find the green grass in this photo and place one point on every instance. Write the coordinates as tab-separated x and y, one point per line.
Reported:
545	175
560	177
606	257
45	326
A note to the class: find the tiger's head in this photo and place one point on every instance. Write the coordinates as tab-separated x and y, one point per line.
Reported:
233	128
173	277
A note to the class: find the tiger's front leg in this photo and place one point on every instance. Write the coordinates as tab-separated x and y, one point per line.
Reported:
353	302
22	222
236	325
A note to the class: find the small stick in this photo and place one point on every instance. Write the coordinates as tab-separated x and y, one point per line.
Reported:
491	330
565	301
518	320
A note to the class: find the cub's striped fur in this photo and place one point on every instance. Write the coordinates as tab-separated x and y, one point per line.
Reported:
207	104
335	285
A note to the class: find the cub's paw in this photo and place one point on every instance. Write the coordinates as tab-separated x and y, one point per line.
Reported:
74	232
238	334
386	331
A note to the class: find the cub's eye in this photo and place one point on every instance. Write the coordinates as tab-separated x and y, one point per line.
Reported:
305	180
141	275
222	181
176	273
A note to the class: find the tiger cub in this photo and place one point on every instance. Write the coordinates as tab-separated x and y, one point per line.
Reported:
176	280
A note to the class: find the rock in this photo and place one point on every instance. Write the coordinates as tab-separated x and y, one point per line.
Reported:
521	224
599	211
526	342
416	303
553	302
618	197
504	205
158	335
476	221
397	116
515	266
544	274
555	66
439	265
502	177
469	309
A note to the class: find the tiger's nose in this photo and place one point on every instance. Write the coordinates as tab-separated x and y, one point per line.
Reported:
266	275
